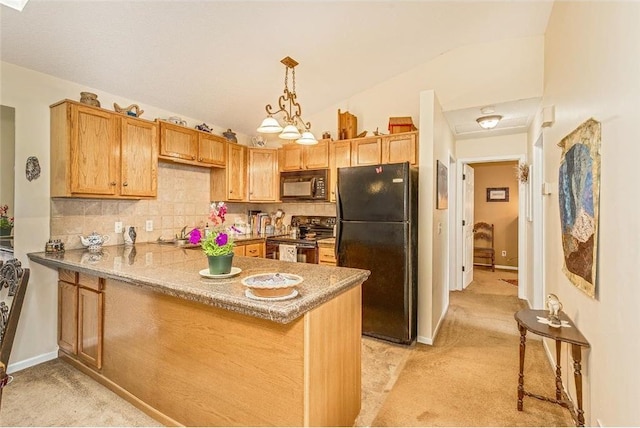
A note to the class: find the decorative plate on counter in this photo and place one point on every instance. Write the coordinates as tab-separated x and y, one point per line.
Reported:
272	285
234	271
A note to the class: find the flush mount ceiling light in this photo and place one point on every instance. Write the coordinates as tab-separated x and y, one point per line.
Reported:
291	111
489	122
15	4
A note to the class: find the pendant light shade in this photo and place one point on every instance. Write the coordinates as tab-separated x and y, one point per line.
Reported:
290	132
269	126
307	139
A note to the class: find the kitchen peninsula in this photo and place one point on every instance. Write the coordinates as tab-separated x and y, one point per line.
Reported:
195	351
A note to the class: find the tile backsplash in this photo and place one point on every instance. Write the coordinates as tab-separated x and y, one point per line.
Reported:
183	200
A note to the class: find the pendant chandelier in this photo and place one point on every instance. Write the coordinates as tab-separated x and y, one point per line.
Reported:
291	111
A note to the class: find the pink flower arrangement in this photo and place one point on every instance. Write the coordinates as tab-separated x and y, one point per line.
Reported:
5	221
219	242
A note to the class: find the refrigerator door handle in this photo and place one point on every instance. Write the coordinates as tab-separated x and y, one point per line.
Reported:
338	222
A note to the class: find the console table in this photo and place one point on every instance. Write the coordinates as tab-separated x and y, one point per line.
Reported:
527	320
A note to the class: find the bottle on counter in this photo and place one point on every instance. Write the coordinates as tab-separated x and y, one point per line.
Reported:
207	231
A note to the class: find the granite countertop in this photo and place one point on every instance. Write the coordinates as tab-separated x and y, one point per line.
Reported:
174	271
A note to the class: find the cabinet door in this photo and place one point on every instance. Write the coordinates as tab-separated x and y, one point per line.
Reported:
68	317
399	148
366	151
292	157
263	174
139	158
212	149
94	151
90	326
238	250
254	250
317	156
236	172
178	142
340	157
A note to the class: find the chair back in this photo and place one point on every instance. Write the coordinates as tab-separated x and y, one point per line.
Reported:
13	285
483	235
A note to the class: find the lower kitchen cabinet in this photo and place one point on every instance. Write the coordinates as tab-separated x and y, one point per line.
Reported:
249	250
80	316
326	252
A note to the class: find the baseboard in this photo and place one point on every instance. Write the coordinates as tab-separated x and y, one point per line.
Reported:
424	340
501	267
33	361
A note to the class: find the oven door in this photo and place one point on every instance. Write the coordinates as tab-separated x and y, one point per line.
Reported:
306	253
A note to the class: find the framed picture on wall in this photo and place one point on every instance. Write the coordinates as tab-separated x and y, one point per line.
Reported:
497	194
442	201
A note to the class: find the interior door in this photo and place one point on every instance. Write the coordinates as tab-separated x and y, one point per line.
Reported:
467	228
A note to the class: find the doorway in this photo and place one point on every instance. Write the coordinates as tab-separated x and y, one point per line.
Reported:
465	268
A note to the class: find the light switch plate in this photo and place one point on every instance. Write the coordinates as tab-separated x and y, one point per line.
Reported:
148	226
118	228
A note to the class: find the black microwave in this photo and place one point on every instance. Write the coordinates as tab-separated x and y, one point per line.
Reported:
308	185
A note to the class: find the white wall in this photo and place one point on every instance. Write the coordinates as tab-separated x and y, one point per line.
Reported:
501	146
469	76
433	240
592	69
31	93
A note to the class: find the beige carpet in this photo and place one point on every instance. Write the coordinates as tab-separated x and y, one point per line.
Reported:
469	377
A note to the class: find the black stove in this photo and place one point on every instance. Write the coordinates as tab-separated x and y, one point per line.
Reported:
310	230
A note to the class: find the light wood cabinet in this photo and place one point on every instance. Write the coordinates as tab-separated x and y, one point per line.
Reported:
398	148
138	158
178	142
296	157
80	316
339	157
253	249
229	183
212	149
191	146
327	256
263	175
366	151
96	153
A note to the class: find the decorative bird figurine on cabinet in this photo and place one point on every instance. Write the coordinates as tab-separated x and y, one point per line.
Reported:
554	306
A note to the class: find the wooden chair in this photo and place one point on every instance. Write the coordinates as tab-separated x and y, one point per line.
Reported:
483	243
13	284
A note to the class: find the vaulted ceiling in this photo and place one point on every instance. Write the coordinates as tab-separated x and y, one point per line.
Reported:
220	60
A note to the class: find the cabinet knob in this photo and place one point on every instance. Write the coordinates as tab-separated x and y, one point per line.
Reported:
230	191
200	159
113	183
125	184
193	158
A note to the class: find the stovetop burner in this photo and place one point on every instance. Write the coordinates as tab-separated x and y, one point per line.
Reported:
311	229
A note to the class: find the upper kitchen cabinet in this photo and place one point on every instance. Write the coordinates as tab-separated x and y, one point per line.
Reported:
296	157
339	157
229	183
263	175
212	149
400	148
178	142
366	151
96	153
191	146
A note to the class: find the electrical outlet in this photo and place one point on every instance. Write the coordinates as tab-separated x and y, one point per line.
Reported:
148	226
118	228
504	254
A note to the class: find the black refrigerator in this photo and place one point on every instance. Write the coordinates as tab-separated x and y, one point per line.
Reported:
377	230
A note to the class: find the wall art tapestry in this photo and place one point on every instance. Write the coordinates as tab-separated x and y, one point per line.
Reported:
579	195
442	202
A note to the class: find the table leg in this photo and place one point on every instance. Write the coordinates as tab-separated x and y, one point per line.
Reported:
523	340
576	353
558	372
